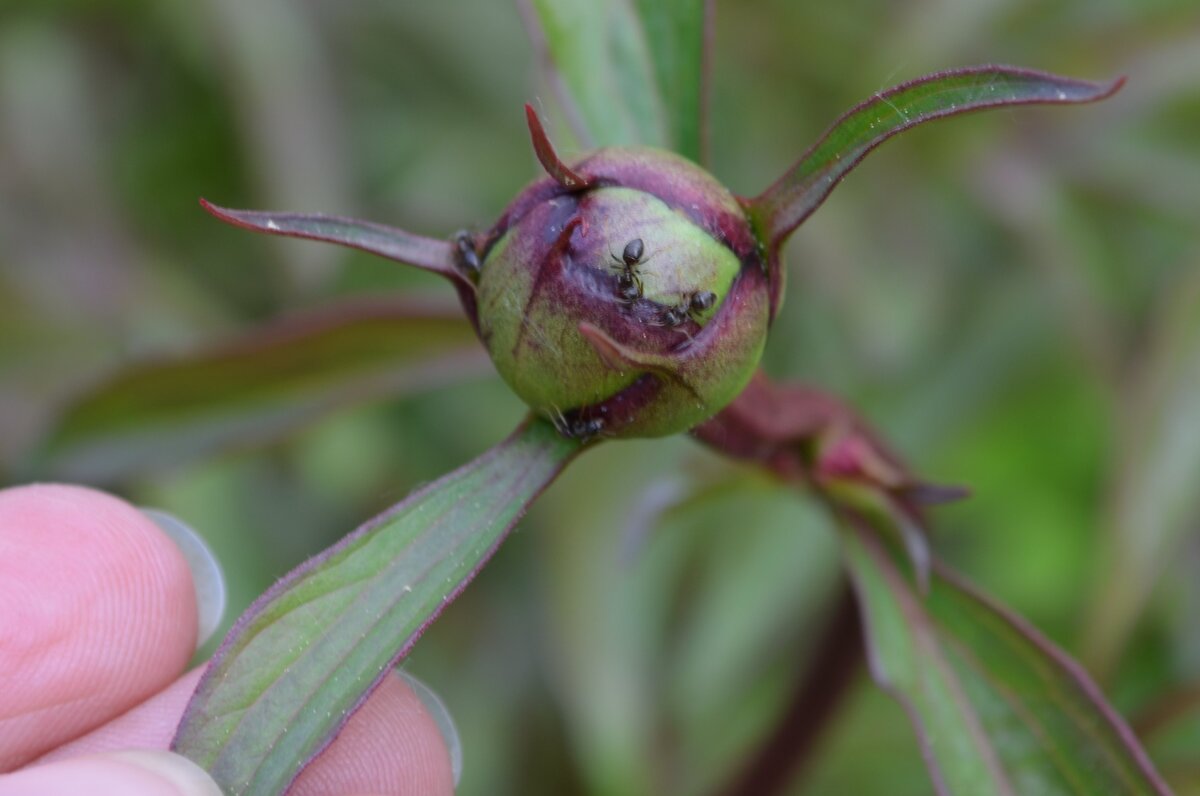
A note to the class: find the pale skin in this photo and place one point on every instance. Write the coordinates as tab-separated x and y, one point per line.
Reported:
97	624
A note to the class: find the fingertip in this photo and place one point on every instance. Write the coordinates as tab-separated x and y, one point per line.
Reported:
99	612
141	772
393	745
149	725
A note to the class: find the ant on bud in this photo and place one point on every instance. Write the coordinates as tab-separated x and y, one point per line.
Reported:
576	427
689	306
465	255
629	281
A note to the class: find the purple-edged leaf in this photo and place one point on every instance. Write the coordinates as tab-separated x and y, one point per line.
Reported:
630	71
783	206
307	653
997	708
428	254
259	387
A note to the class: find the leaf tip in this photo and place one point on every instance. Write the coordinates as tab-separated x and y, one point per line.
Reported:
225	214
561	172
1115	85
212	209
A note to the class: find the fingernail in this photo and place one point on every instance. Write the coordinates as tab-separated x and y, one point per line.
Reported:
441	717
207	576
182	775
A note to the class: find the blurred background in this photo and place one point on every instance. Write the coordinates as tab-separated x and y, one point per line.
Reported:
1012	297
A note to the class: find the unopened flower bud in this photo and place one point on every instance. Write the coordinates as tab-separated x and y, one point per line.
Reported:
624	295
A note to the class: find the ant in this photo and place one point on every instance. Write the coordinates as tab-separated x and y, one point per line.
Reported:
576	427
465	254
690	304
629	282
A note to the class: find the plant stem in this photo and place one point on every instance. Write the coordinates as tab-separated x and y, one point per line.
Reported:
785	754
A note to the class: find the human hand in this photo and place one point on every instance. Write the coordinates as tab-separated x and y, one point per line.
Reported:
98	618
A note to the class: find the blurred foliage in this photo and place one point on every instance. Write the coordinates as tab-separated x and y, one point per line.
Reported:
991	291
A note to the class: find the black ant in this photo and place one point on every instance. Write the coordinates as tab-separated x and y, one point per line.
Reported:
465	254
629	282
576	427
690	304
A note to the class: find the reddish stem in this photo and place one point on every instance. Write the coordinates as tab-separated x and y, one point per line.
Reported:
785	754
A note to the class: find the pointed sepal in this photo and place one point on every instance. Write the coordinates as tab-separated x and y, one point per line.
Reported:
549	159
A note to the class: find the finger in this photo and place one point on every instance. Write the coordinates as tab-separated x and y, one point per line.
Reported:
97	612
150	725
132	773
392	745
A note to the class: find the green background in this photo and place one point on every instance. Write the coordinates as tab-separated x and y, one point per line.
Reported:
1000	294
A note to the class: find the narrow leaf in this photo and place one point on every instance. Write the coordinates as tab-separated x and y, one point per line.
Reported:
997	708
306	654
427	254
257	388
632	70
678	34
801	190
1156	508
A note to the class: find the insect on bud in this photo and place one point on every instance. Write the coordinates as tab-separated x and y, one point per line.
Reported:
624	295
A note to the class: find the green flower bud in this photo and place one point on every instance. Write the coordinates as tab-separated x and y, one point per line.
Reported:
625	296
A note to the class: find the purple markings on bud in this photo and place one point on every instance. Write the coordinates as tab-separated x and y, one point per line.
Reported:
623	295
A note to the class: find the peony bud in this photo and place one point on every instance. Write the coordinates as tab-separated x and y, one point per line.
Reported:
624	296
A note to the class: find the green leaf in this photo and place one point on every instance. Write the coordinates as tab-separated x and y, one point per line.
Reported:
801	190
632	71
258	388
997	708
1156	507
305	654
677	32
